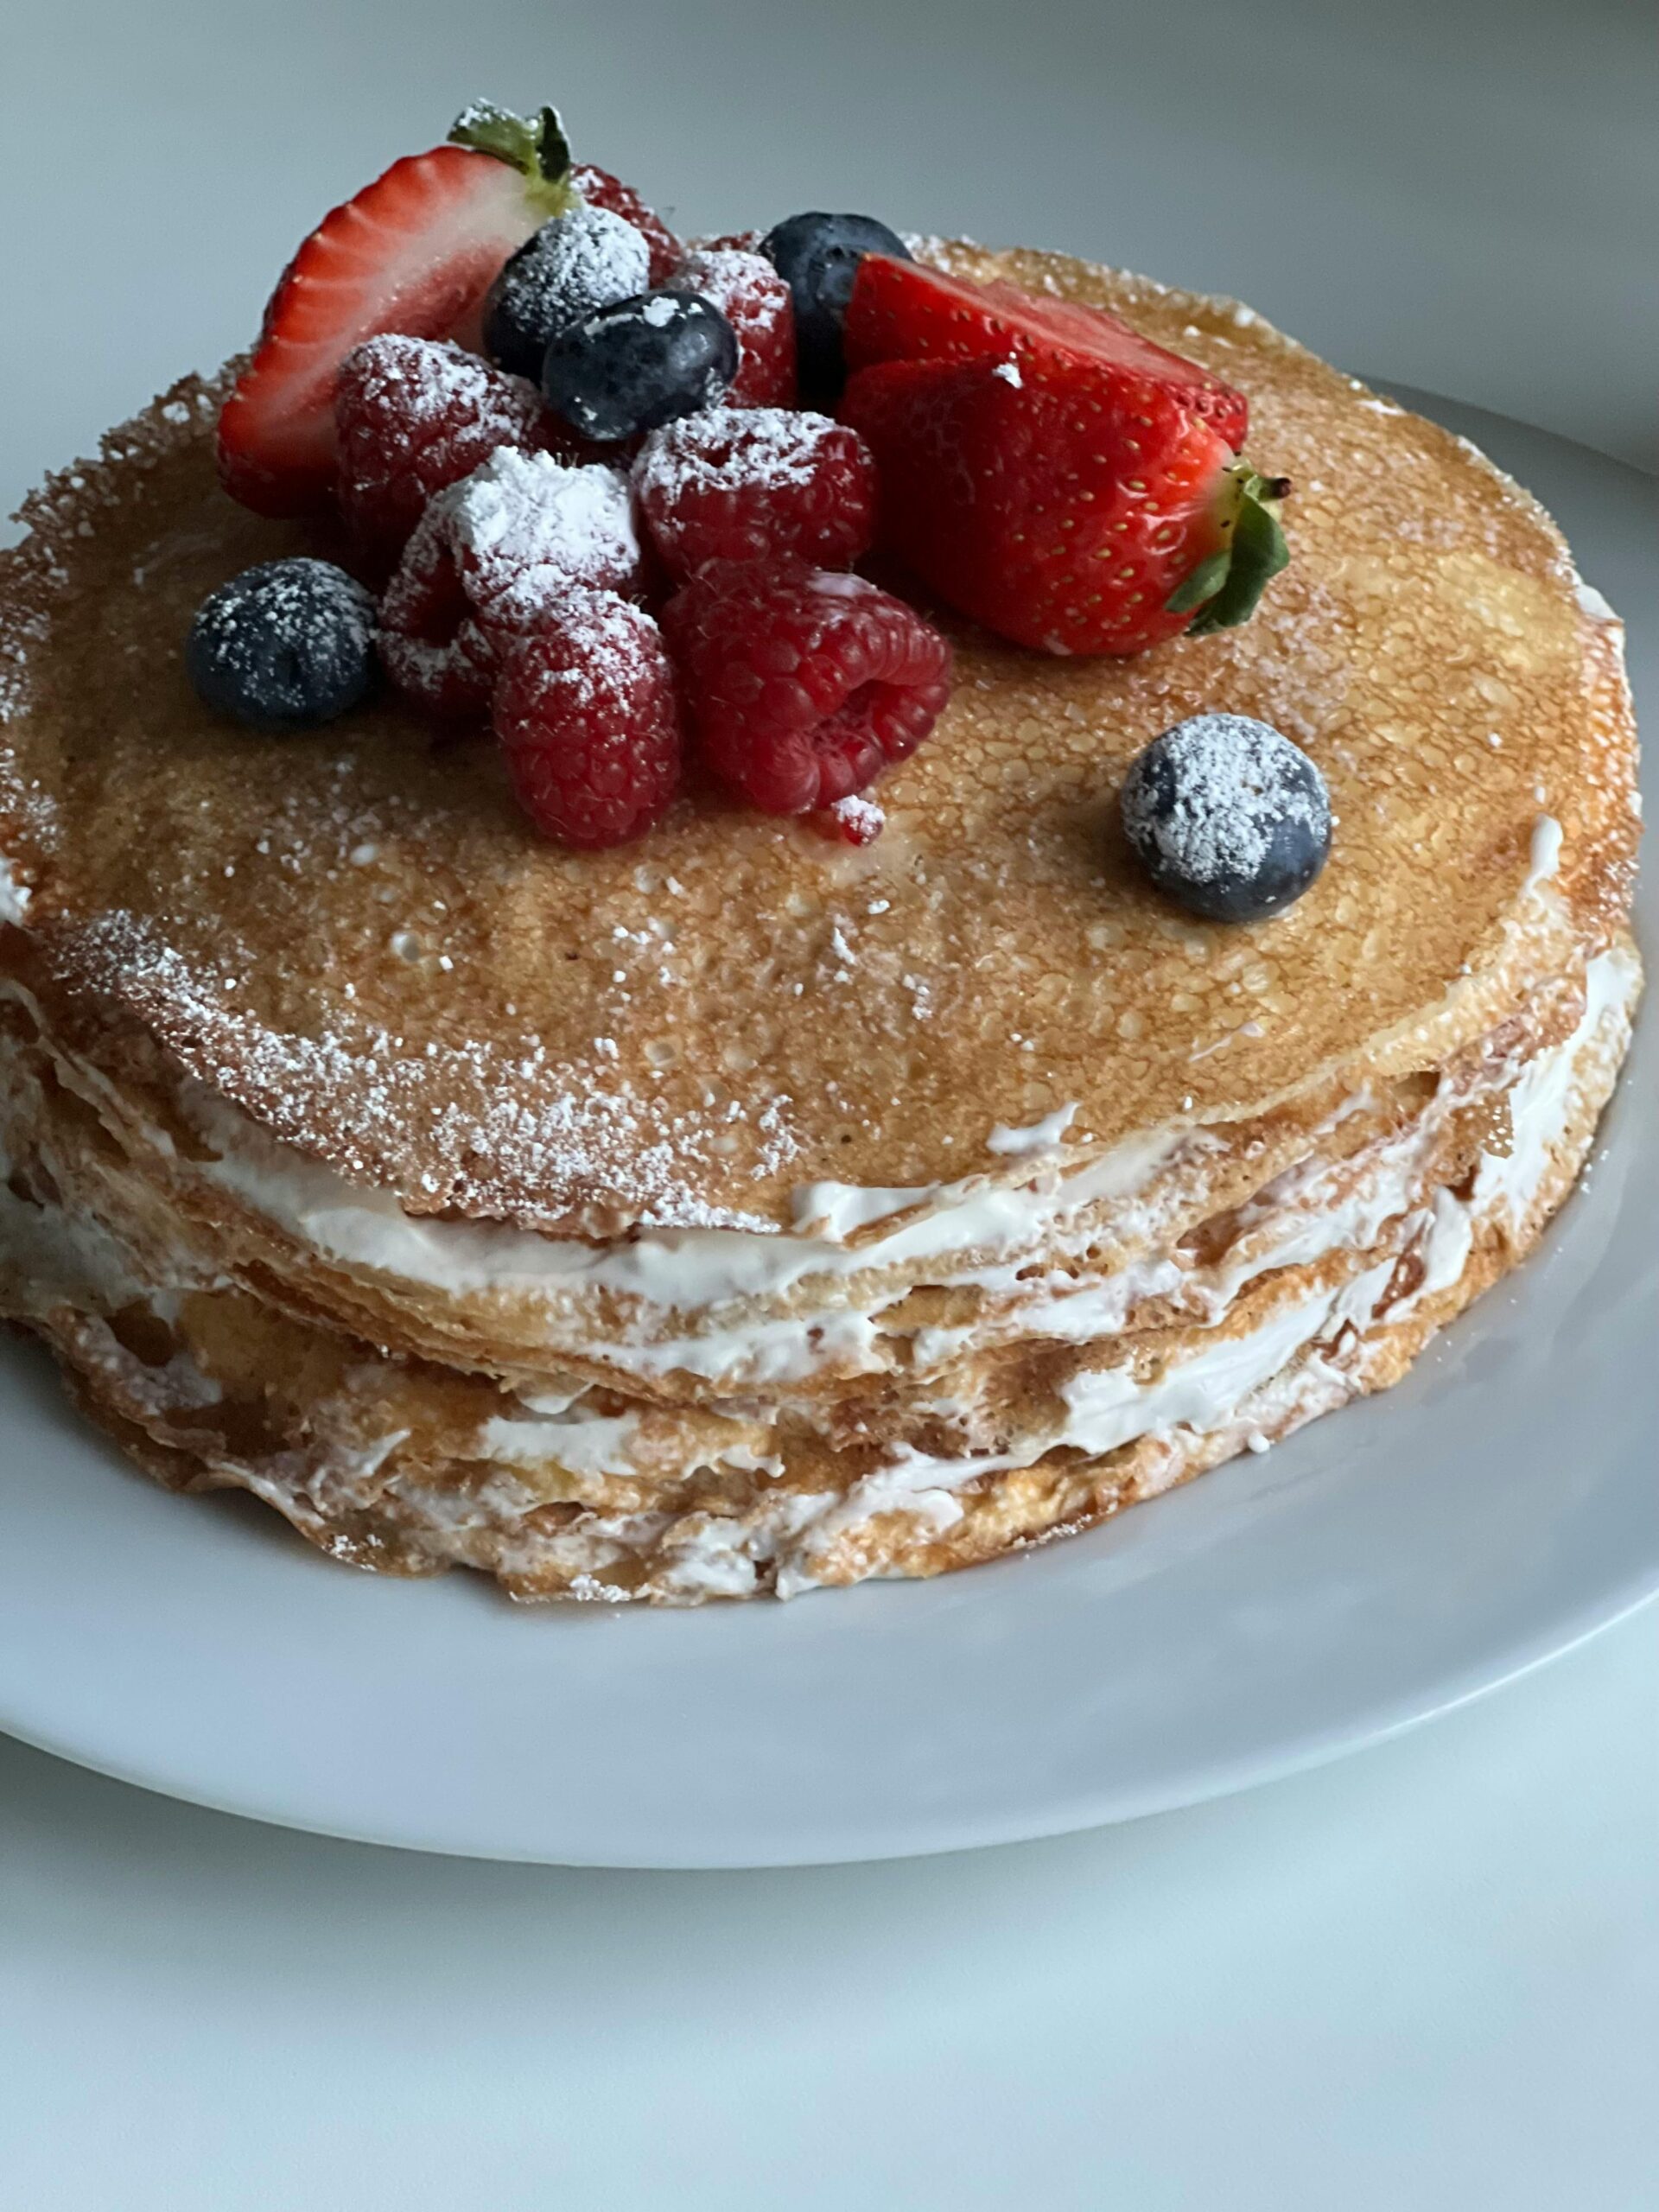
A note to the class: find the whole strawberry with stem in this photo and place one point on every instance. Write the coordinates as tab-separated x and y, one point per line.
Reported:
1051	473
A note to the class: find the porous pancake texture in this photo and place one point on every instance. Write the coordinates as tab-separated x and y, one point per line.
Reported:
736	1211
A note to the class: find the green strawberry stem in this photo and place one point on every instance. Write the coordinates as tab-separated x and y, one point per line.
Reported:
535	146
1225	586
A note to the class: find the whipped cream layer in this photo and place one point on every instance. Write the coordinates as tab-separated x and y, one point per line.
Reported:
1267	1379
1235	1390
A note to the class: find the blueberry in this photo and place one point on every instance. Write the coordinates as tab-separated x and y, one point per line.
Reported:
284	646
640	364
818	256
1228	817
587	259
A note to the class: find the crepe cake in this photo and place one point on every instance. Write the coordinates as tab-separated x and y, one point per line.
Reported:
737	1212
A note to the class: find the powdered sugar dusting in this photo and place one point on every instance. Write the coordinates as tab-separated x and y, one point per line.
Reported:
1231	794
607	643
523	528
431	383
290	600
734	449
579	262
725	273
529	1139
861	821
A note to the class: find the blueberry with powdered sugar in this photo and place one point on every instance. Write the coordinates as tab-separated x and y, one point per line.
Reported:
576	264
1228	817
638	364
284	646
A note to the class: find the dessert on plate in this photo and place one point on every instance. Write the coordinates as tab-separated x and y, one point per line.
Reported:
680	920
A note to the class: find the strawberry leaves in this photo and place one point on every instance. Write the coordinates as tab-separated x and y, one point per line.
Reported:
535	145
1225	587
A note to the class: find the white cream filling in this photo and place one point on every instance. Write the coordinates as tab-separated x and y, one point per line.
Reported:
64	1260
582	1443
701	1270
679	1269
14	893
695	1270
1108	1410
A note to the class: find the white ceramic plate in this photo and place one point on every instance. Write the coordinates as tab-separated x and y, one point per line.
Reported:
1391	1560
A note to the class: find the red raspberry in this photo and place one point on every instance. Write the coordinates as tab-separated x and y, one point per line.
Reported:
494	554
748	483
601	190
588	717
755	301
804	684
413	416
849	821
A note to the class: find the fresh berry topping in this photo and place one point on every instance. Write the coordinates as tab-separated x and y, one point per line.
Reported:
493	556
641	363
849	821
587	259
413	416
746	483
802	684
284	646
1228	817
601	190
1064	503
903	311
587	716
755	301
415	251
817	256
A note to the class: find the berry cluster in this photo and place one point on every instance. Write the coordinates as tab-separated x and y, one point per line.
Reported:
612	489
628	444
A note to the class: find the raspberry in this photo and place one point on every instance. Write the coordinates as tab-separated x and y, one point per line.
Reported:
414	415
749	483
587	714
755	301
804	684
601	190
493	556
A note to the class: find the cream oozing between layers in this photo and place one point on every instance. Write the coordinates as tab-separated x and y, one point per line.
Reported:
1230	1389
699	1272
1270	1378
728	1278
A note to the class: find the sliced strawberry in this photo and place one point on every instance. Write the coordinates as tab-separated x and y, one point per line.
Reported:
1067	504
413	252
904	311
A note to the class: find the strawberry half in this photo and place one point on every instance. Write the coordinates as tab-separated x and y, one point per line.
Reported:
905	311
413	252
1077	494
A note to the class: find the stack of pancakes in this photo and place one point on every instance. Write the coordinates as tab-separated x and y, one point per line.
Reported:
740	1211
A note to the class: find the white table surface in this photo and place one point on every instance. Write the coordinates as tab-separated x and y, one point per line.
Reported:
1428	1976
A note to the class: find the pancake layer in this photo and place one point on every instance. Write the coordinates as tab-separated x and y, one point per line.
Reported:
736	1212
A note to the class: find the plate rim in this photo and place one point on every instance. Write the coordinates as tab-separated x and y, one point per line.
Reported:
1091	1798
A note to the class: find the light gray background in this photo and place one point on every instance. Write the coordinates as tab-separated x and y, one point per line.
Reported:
1429	1976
